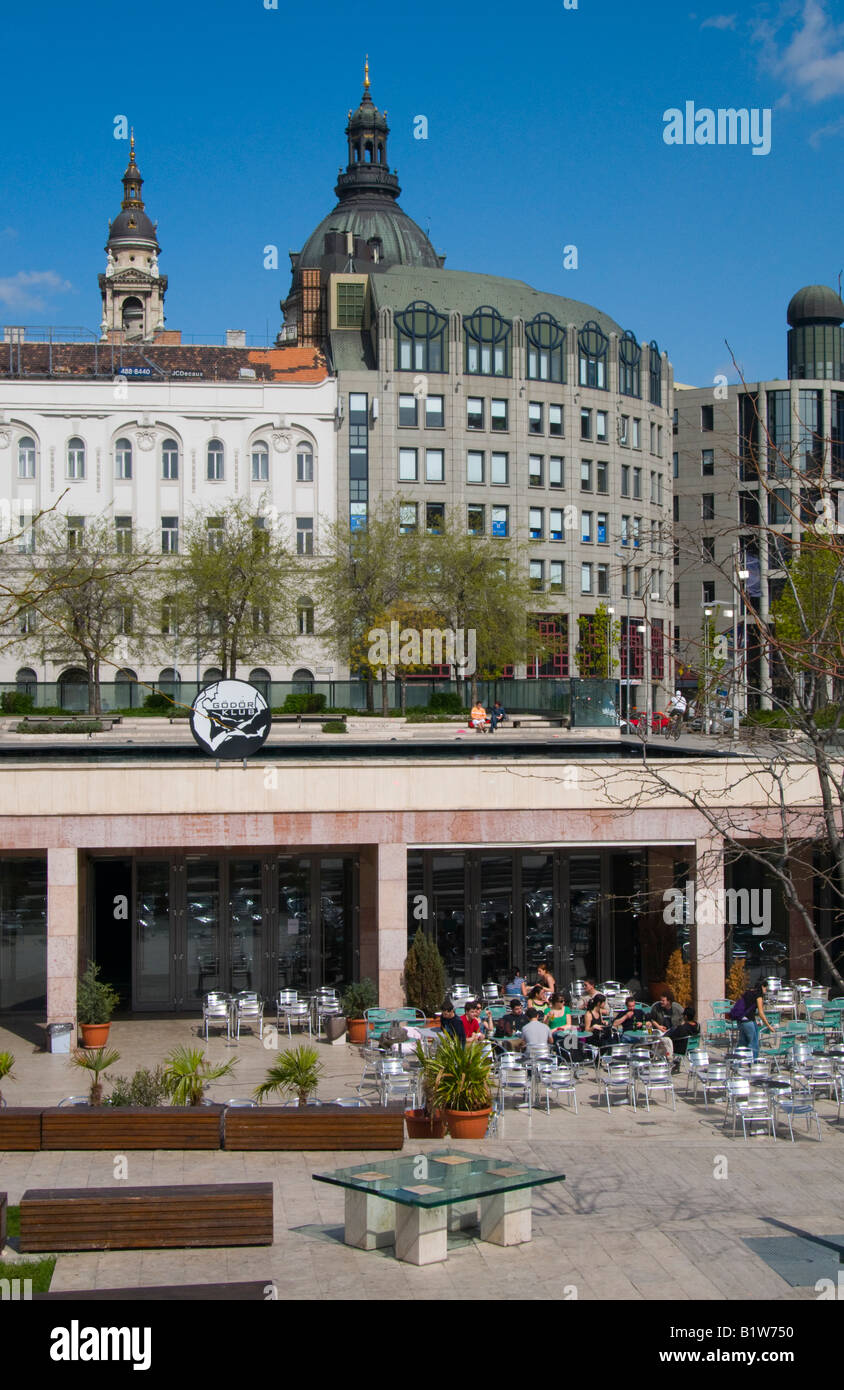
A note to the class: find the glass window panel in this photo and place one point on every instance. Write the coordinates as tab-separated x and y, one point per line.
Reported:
202	885
153	934
498	416
450	914
434	466
23	935
434	412
499	468
556	473
407	465
475	413
408	410
246	899
293	931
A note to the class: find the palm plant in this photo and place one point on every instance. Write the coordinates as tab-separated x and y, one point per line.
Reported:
187	1073
7	1061
298	1070
456	1077
96	1062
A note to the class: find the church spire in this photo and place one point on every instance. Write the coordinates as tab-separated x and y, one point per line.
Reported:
366	75
367	171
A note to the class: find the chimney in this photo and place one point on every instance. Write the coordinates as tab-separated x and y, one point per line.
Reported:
235	337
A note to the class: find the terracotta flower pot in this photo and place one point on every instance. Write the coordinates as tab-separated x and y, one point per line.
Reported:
467	1124
94	1034
423	1126
357	1030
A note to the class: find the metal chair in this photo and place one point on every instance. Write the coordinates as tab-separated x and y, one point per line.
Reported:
284	997
751	1106
349	1102
248	1006
371	1054
798	1103
513	1076
217	1005
656	1077
394	1080
236	1104
74	1100
820	1075
619	1081
712	1081
297	1013
558	1080
697	1063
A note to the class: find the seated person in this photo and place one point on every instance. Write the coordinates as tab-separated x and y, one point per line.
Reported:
512	1022
478	719
673	1044
631	1021
451	1024
496	714
538	999
476	1023
597	1020
535	1032
517	986
559	1014
666	1012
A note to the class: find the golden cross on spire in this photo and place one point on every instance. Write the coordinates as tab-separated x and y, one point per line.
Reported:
366	74
131	144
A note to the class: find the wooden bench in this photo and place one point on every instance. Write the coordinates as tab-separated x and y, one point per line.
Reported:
131	1127
253	1291
274	1127
300	719
562	721
146	1218
20	1129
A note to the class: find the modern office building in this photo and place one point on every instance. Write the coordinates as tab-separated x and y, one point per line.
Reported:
743	458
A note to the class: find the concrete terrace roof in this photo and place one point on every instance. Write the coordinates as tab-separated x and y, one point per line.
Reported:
300	364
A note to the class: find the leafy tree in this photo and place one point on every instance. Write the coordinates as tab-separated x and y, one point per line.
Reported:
424	974
235	585
599	636
91	597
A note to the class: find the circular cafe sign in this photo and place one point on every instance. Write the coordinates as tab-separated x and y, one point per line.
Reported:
230	719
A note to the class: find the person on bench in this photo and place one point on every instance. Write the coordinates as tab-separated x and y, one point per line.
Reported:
496	714
478	718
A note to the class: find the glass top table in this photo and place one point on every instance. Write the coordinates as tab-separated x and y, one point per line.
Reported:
407	1201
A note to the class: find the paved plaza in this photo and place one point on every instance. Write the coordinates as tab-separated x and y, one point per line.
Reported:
642	1213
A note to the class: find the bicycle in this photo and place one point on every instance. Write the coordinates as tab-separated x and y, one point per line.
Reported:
674	727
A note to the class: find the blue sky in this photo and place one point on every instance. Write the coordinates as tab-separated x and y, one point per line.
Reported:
545	129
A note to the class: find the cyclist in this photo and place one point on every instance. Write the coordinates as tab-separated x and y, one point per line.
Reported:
677	709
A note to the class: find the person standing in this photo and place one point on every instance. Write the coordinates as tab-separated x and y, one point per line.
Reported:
748	1026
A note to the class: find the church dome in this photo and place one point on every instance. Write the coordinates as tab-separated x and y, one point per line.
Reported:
815	304
367	210
132	223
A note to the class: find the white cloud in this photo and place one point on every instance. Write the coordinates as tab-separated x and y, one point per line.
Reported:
806	53
21	291
720	21
837	128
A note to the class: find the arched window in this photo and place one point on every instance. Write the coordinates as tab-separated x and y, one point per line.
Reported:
305	616
169	682
421	339
261	681
73	689
303	681
212	674
216	461
133	316
487	337
592	352
26	457
126	689
629	366
260	463
26	682
655	373
170	459
304	464
546	349
76	457
123	459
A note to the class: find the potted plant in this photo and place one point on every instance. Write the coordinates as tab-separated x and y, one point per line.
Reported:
187	1073
296	1072
96	1062
424	975
95	1004
458	1081
7	1061
357	999
427	1122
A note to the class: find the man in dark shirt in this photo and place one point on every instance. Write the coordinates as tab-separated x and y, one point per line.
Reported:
451	1024
631	1020
666	1012
512	1022
496	714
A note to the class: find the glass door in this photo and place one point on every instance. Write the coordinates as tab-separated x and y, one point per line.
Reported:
337	931
290	960
496	918
246	918
538	913
449	894
585	914
203	966
154	965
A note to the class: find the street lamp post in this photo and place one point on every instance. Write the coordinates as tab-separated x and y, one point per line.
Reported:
610	612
